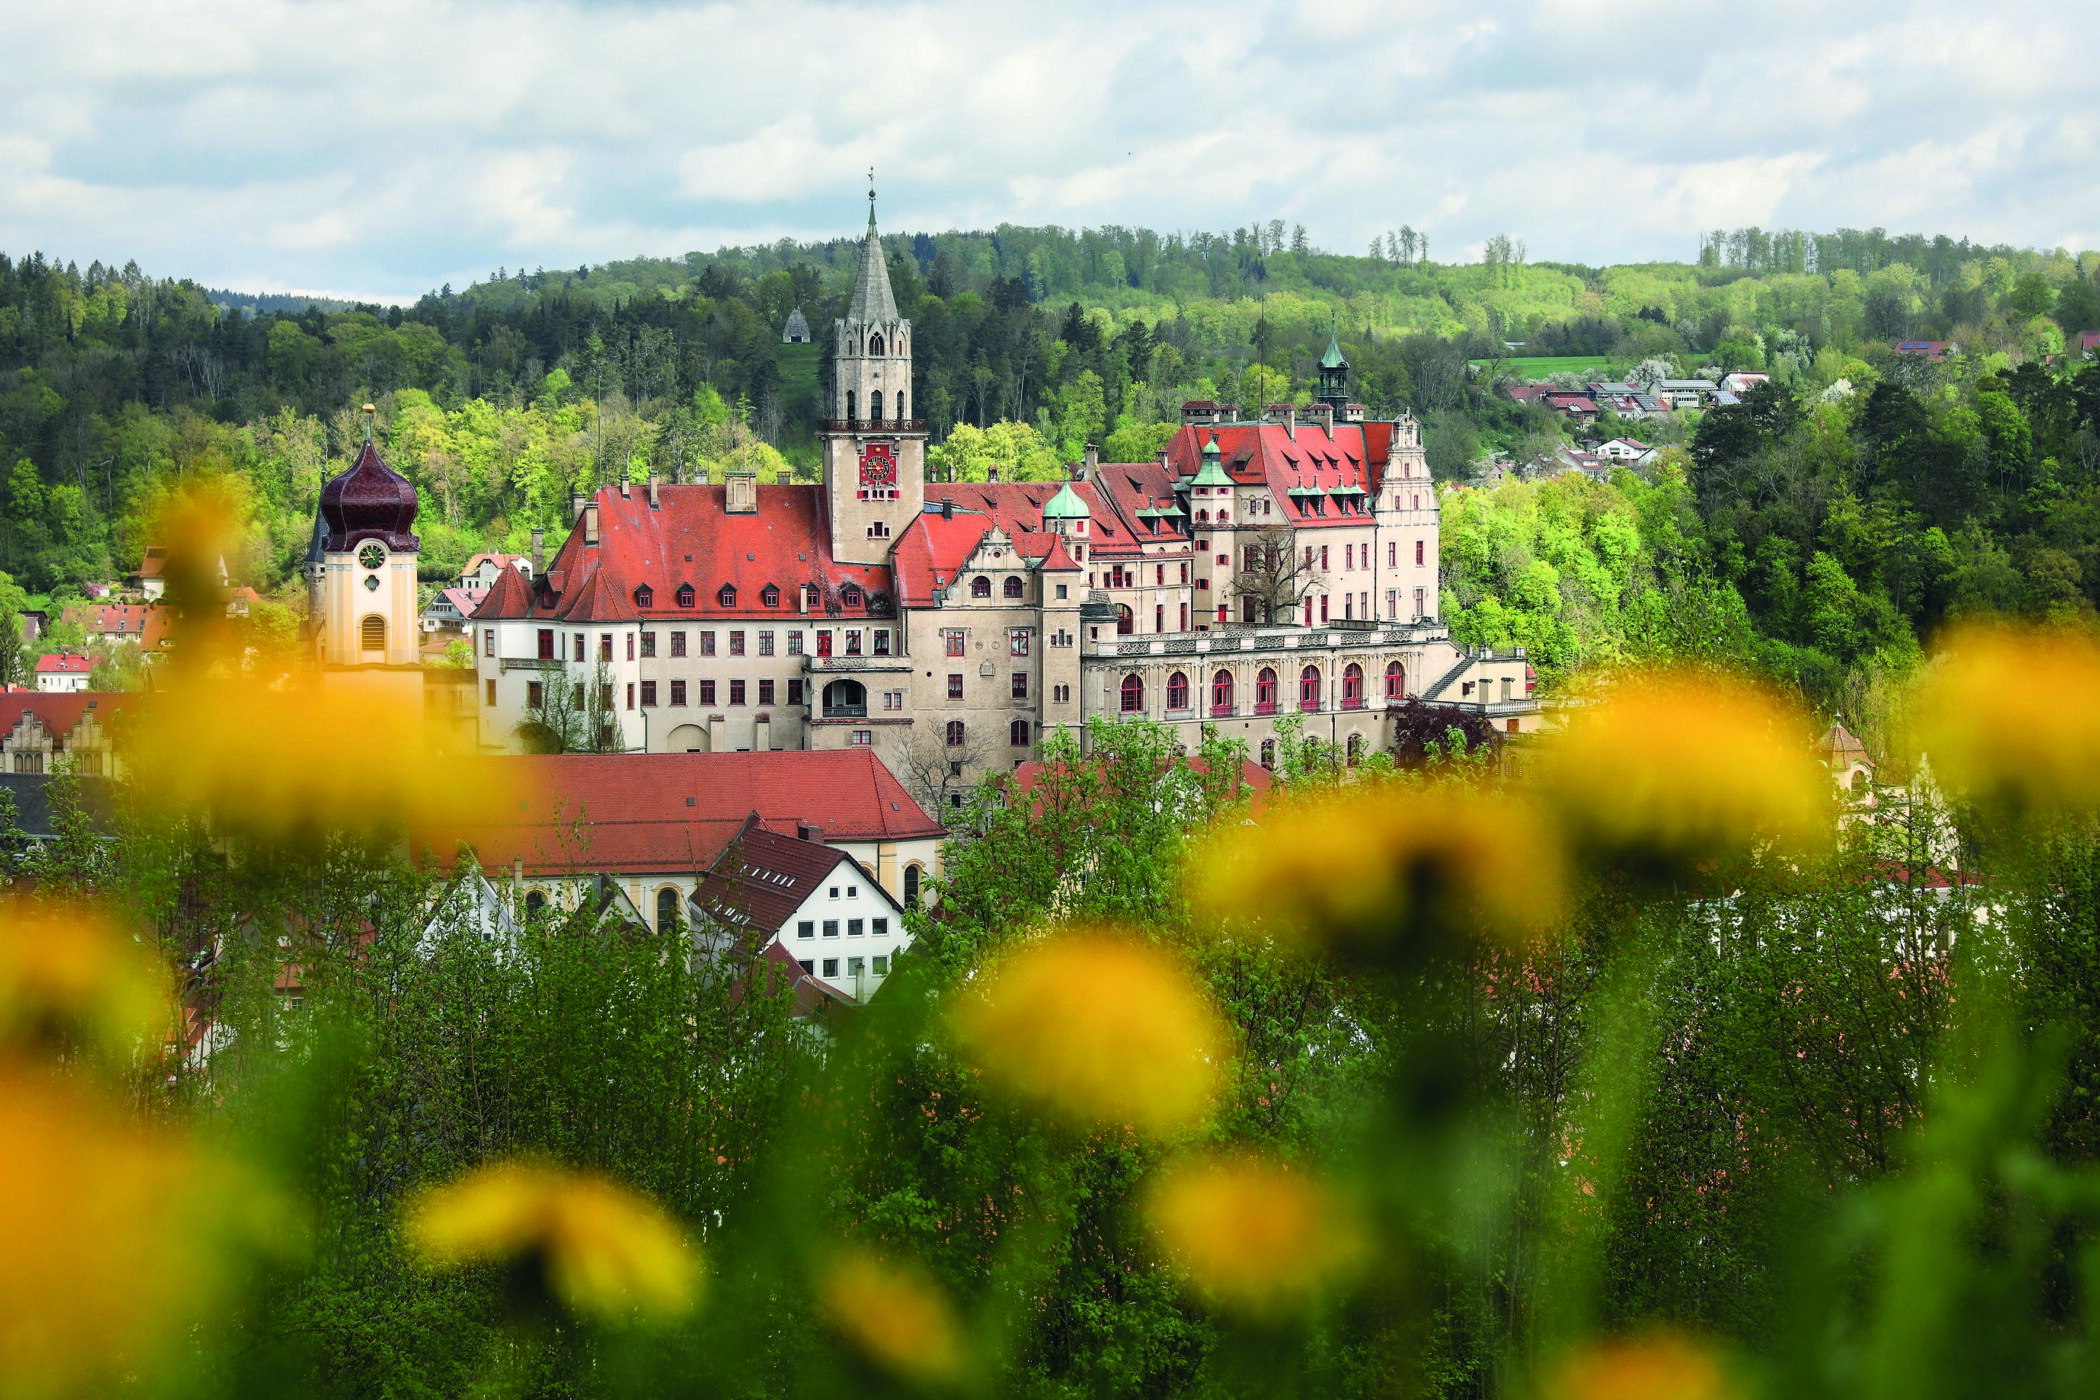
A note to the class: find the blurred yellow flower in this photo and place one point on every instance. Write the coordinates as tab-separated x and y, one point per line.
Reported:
1101	1028
290	762
1679	767
1256	1237
1663	1367
895	1316
1369	865
118	1241
603	1251
67	976
2007	716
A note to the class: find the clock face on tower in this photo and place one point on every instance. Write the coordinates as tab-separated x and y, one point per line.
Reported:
371	556
878	466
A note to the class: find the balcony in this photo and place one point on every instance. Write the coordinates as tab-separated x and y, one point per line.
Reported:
1225	711
1310	707
1265	707
872	425
845	712
1355	702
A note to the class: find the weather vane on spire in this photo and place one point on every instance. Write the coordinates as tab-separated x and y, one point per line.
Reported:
871	188
369	411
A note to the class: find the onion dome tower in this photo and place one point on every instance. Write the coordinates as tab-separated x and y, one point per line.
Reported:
365	575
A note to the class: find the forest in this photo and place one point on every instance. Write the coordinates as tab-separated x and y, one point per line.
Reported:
1825	530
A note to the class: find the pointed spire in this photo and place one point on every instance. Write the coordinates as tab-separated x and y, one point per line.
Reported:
872	300
1333	358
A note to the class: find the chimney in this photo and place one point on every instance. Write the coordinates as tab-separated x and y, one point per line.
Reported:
656	501
991	475
626	489
590	523
740	493
947	510
539	552
1093	460
802	598
575	508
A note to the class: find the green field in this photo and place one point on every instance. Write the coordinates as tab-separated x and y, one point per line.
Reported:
1539	366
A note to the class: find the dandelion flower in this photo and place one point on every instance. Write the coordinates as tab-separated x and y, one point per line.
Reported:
66	975
2006	716
118	1240
1386	867
1255	1237
1679	768
894	1316
1664	1367
601	1250
1099	1027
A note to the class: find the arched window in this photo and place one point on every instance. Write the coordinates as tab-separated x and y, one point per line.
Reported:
911	886
1356	749
1019	734
1177	691
980	587
1309	688
1265	691
900	392
770	596
1395	680
1125	622
727	597
667	910
685	595
849	403
957	734
849	596
1013	587
1268	753
535	904
371	633
844	699
644	598
1133	693
875	348
1203	516
875	397
1221	693
1353	686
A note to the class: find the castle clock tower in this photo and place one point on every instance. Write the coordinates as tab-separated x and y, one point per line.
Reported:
874	450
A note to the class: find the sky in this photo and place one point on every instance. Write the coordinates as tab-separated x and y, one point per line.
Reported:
384	148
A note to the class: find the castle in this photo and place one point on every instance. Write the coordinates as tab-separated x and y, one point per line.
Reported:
1283	565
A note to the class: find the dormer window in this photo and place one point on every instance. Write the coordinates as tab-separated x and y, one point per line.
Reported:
643	598
685	595
727	597
771	596
850	596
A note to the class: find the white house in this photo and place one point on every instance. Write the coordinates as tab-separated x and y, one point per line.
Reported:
1627	450
61	673
833	918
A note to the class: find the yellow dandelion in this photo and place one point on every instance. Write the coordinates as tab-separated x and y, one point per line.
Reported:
894	1316
1370	867
1254	1236
118	1240
1678	768
603	1251
2006	716
67	976
1662	1367
279	764
1099	1027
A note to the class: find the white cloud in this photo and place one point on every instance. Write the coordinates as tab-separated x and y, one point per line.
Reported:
390	145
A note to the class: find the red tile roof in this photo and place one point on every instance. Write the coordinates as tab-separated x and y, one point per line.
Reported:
691	538
121	619
61	713
1269	454
664	813
933	548
62	663
762	877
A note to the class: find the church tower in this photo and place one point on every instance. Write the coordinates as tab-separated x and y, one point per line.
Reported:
365	581
874	450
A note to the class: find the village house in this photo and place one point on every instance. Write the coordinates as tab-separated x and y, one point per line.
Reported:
43	729
62	673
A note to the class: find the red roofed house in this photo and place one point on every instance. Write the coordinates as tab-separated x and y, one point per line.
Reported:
61	673
949	625
658	824
120	622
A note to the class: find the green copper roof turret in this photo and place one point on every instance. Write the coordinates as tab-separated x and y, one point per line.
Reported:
1333	358
1066	505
